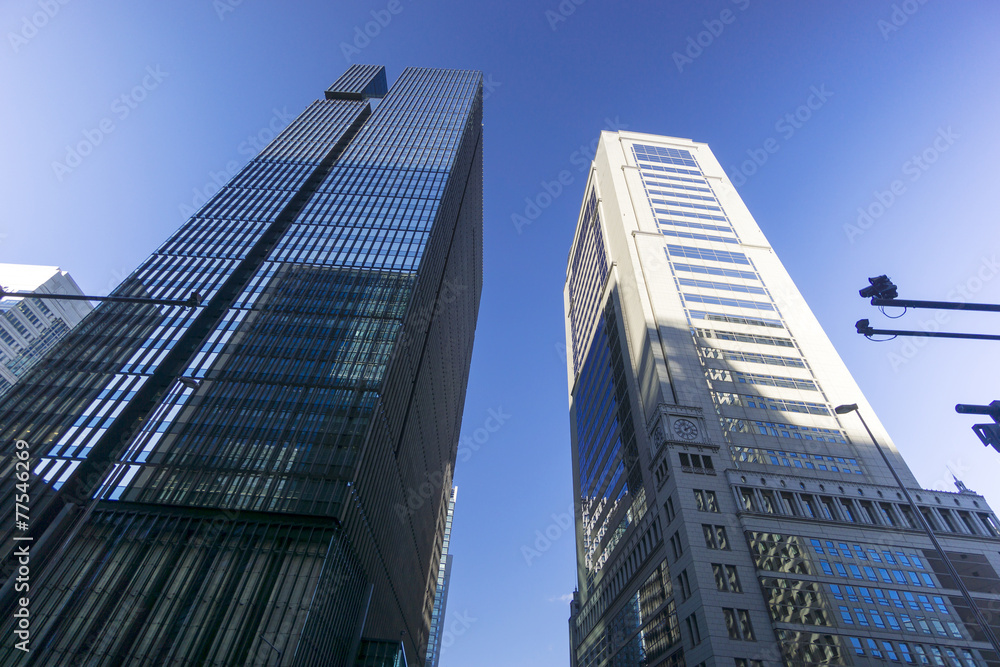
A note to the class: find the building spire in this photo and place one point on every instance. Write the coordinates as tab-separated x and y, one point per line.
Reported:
959	484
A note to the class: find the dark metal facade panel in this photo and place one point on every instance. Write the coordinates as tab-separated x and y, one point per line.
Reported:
359	82
324	378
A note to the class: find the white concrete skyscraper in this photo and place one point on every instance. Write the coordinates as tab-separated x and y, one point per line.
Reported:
726	515
29	328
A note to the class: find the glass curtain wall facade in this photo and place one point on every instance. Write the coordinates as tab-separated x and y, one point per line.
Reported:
228	484
725	515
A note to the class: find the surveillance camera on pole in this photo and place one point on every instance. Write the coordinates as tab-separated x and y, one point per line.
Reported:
883	292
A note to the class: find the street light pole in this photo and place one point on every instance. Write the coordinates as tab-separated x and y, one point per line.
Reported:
844	409
190	302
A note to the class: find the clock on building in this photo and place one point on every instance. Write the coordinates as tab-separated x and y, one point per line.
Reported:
685	429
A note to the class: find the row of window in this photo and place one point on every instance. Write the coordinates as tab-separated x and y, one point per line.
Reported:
783	430
727	287
709	254
756	339
914	654
951	520
844	550
723	375
778	457
678	222
652	168
726	301
696	237
676	216
663	155
698	462
768	403
751	357
715	271
833	508
810	648
890	598
668	191
688	214
654	198
898	576
898	514
918	624
675	182
735	319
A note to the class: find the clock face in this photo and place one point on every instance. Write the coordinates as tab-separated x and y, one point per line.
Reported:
685	429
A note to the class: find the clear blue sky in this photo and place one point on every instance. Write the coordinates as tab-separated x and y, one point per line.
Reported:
211	75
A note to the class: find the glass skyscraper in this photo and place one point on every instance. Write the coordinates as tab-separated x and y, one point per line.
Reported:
726	515
434	645
229	484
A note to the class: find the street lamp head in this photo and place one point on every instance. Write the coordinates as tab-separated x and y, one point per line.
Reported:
844	409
